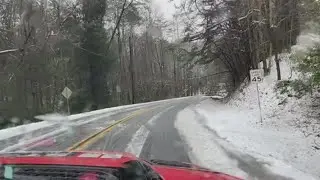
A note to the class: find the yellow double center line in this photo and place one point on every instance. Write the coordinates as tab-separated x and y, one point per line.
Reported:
85	143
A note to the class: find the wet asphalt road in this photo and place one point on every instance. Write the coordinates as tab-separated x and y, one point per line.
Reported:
161	140
157	137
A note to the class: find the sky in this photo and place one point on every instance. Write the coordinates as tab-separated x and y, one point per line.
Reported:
167	9
164	7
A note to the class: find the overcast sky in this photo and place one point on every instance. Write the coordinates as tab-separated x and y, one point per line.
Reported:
164	7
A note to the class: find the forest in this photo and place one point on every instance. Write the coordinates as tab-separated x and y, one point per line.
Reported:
117	52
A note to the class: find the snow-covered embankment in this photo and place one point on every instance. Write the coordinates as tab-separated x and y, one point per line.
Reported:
230	138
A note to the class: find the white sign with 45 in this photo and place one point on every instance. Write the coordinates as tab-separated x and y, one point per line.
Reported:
256	75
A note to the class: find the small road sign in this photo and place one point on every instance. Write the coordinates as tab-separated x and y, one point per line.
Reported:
118	88
66	92
256	75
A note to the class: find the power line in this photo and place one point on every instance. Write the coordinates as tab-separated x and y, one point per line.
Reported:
91	52
214	74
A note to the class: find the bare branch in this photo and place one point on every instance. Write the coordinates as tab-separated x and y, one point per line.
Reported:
8	51
118	22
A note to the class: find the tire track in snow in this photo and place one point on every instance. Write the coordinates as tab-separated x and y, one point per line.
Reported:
138	140
152	121
136	144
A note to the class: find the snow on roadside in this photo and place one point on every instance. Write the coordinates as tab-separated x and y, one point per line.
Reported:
229	137
279	143
23	129
285	152
24	143
204	151
282	113
278	110
221	139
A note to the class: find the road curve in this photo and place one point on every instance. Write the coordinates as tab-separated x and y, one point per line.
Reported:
148	132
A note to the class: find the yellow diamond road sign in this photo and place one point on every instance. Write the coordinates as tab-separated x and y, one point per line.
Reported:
66	92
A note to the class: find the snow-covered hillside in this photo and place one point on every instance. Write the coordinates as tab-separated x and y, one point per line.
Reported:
283	110
230	138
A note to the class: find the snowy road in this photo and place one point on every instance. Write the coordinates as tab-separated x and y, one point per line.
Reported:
148	132
194	129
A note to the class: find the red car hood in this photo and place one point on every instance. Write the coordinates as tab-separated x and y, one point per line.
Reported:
169	170
173	173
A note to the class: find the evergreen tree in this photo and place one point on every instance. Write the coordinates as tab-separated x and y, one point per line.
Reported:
93	60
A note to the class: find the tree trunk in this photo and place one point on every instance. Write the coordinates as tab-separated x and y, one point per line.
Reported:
276	58
270	23
174	75
120	64
161	65
265	66
131	67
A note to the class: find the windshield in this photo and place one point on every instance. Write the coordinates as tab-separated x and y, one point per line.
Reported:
194	86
